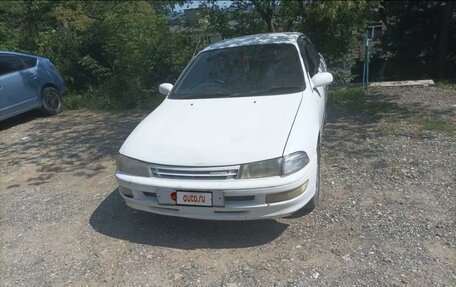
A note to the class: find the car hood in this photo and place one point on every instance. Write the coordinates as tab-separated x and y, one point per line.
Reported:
214	132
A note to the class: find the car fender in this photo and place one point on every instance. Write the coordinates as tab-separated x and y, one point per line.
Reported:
49	76
305	131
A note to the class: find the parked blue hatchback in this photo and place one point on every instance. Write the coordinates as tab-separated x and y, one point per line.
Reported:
29	82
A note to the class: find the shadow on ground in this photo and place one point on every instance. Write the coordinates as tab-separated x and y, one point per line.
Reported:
73	141
20	119
394	103
115	219
353	119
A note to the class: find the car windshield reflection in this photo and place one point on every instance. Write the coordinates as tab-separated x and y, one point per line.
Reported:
242	71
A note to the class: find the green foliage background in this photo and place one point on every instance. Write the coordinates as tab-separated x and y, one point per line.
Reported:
114	54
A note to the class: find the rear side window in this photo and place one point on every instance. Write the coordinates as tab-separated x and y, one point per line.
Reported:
9	64
29	62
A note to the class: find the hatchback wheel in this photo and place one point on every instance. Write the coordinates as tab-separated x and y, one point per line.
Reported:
52	101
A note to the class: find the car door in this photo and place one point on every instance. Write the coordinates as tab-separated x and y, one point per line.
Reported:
312	62
323	68
314	58
18	86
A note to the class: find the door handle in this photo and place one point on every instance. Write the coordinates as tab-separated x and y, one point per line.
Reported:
33	75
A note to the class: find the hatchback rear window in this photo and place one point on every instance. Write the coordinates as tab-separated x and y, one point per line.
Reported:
242	71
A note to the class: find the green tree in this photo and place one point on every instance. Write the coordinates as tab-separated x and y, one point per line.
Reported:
420	39
335	27
24	19
118	52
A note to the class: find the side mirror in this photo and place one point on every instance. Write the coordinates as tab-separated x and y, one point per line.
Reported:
322	79
165	88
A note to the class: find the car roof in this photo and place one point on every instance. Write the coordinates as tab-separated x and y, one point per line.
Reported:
19	54
258	39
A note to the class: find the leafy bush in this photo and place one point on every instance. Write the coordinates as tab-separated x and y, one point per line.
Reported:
111	54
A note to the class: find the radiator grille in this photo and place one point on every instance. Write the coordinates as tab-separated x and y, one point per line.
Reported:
207	173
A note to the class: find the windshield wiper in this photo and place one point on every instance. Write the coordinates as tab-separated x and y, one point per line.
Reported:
228	95
208	95
273	89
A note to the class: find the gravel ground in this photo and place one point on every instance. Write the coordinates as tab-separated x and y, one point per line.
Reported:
387	216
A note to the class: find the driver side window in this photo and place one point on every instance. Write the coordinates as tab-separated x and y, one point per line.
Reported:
309	56
302	50
9	64
314	58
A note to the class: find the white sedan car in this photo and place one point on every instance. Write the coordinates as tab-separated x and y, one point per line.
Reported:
237	137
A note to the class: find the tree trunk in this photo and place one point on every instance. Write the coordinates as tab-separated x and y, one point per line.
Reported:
266	11
270	25
444	67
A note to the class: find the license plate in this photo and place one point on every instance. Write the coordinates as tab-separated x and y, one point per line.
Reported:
194	198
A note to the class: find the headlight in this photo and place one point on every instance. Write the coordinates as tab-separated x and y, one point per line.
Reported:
265	168
294	162
275	167
132	166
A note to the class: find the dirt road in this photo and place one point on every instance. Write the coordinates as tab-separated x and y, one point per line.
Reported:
387	216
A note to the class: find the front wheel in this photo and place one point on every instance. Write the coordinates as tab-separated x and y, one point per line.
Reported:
51	101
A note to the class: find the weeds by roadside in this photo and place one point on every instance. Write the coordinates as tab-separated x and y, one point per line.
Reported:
87	101
357	101
446	85
95	101
438	126
373	107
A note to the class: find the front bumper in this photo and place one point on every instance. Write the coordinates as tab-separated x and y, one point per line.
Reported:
233	199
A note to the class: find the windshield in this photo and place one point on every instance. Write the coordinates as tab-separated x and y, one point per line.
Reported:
242	71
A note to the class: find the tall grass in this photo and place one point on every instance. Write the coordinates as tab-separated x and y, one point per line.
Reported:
98	101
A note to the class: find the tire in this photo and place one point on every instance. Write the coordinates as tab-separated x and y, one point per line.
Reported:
51	101
314	201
